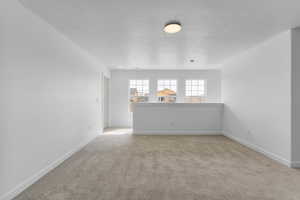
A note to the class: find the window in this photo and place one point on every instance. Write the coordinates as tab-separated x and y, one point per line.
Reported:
194	88
167	84
195	91
166	90
139	90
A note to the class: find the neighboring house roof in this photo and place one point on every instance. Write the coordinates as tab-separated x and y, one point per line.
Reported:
166	92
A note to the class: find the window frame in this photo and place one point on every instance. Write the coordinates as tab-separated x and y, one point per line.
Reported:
129	87
166	79
204	88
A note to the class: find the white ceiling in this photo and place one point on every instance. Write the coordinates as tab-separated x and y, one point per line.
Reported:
128	33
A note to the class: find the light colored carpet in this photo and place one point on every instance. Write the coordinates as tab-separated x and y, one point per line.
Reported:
126	167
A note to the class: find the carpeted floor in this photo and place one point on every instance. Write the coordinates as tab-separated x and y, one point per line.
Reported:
126	167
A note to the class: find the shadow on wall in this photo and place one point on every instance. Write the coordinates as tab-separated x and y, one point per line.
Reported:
234	126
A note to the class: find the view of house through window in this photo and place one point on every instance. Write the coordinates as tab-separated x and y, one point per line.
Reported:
139	90
166	91
194	91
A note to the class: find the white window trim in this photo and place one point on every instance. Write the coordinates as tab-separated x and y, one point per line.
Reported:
162	79
205	87
142	79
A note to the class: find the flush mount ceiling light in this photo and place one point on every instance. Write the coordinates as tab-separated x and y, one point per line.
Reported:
172	27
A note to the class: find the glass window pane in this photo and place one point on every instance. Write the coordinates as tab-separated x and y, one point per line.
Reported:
132	82
164	93
138	89
195	87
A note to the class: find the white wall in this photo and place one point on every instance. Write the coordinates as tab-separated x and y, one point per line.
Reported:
256	90
177	118
120	116
49	88
296	97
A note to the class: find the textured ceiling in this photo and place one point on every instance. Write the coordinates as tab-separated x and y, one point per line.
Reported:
128	34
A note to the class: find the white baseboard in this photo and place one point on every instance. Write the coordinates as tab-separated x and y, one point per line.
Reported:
177	132
29	181
260	150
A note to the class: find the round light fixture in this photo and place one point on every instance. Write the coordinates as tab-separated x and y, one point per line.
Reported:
172	27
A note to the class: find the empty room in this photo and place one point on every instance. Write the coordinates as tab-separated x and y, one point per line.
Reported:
149	100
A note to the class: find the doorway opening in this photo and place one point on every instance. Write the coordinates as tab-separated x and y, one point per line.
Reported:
105	102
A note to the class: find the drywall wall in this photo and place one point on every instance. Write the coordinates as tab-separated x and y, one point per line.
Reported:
49	90
256	90
119	111
295	97
177	118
